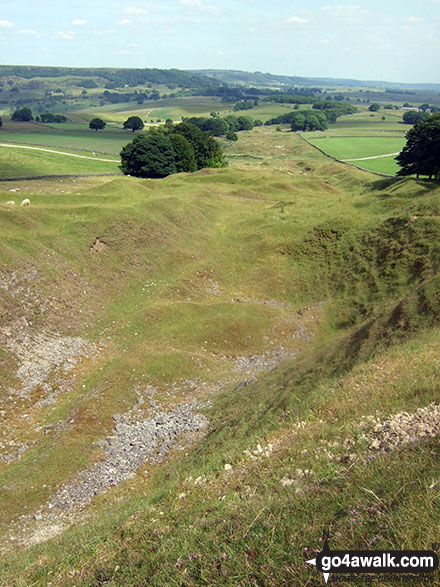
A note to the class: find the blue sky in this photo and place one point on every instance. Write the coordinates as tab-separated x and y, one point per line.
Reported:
381	40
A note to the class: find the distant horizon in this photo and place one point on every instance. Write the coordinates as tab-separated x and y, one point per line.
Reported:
218	69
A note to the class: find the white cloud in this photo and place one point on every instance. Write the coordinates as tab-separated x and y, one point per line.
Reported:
297	19
414	19
65	35
79	22
344	11
124	22
30	32
121	52
6	24
220	52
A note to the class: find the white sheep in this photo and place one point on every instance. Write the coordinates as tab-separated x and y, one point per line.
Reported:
25	202
10	203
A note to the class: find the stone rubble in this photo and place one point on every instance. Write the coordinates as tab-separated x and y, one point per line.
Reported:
267	360
132	444
405	428
39	354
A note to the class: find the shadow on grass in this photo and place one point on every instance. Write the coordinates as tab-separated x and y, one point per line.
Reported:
401	184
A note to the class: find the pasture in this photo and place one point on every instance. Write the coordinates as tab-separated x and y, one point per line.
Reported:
21	162
102	141
364	135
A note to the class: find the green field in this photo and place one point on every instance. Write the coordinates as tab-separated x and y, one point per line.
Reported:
386	165
363	135
103	141
357	147
17	162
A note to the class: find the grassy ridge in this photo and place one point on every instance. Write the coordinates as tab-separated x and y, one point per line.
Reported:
284	223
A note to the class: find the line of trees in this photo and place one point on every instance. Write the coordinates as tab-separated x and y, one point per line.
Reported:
49	117
171	149
219	126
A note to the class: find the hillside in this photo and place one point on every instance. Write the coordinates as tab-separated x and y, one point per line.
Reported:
199	374
259	78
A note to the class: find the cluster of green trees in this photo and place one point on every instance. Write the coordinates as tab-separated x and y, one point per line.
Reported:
171	149
50	117
22	115
333	110
245	105
323	112
290	98
421	154
218	127
414	116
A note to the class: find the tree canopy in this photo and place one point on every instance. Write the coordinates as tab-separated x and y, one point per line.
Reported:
22	115
97	124
421	154
413	116
171	149
134	123
149	155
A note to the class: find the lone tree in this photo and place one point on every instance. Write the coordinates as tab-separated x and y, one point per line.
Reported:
22	115
421	154
134	123
374	107
97	124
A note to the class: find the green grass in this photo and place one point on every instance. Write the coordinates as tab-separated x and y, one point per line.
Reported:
173	108
284	223
103	141
386	165
357	147
15	162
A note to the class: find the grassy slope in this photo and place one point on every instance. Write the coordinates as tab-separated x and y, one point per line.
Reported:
282	222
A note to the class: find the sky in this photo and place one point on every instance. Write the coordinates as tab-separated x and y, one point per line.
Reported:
386	40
